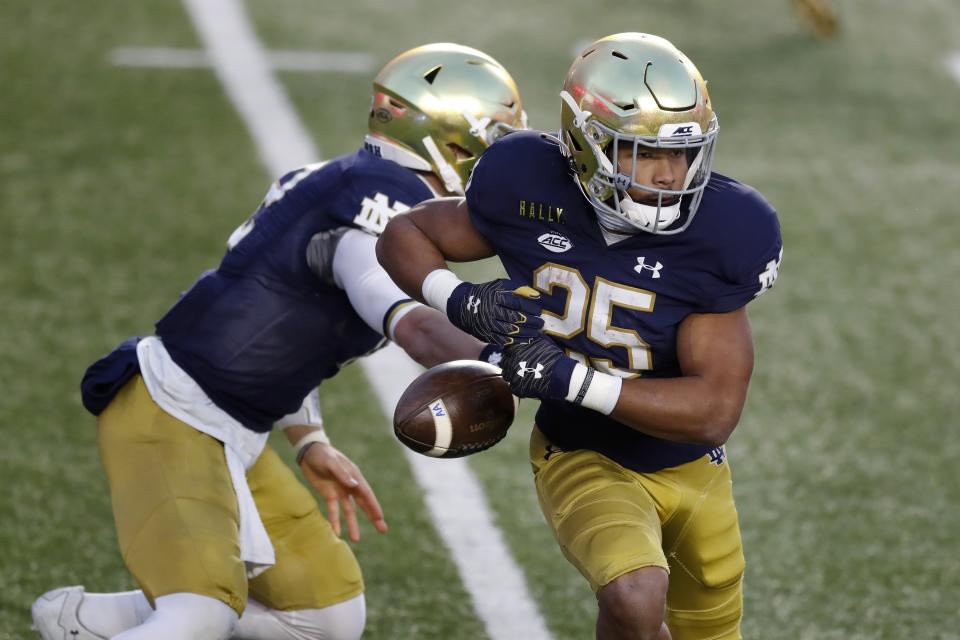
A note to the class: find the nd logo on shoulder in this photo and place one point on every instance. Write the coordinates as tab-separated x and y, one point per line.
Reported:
376	212
768	277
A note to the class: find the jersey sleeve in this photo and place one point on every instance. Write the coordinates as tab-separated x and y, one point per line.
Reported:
481	191
751	257
373	295
308	414
374	192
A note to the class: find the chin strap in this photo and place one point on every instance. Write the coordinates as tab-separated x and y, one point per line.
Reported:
450	178
580	120
478	128
389	150
579	116
650	217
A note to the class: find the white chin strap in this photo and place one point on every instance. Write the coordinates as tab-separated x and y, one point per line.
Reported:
389	150
580	119
648	217
450	178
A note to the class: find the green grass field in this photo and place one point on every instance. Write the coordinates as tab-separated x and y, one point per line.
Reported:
119	185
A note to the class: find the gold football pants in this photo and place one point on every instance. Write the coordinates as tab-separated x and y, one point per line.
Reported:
177	520
609	521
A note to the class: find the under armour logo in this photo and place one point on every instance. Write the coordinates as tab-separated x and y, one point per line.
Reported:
641	265
768	277
495	358
473	304
717	455
524	370
375	213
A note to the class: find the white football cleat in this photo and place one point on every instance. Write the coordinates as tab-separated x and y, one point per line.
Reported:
55	615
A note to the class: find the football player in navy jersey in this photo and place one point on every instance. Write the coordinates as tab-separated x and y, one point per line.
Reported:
211	523
643	261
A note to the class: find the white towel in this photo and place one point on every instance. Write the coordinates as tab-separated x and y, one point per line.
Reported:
256	550
177	394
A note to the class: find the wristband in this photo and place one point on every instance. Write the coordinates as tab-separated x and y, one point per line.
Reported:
437	287
492	354
593	389
304	443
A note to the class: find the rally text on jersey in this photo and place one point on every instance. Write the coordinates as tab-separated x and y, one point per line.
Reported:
541	211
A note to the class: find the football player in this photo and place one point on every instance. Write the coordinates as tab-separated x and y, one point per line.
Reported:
213	526
644	261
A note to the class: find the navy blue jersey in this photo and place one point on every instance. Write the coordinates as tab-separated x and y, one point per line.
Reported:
261	331
617	307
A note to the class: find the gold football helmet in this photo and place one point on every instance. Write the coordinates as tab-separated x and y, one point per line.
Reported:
438	107
635	90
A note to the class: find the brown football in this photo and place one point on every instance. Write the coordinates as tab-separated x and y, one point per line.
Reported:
454	409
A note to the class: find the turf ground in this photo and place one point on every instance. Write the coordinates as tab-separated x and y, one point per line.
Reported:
119	185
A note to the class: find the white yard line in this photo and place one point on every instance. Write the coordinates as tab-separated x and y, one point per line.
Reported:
241	65
453	495
953	64
279	60
459	508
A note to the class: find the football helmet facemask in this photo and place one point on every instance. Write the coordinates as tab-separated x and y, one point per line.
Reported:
637	91
438	107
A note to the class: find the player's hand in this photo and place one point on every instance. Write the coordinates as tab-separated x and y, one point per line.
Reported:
320	251
343	488
500	312
537	369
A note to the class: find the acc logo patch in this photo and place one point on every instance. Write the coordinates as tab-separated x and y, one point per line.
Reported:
555	242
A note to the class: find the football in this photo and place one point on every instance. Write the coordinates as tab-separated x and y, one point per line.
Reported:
454	409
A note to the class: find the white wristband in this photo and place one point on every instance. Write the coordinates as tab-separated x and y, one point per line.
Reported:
594	390
317	435
437	287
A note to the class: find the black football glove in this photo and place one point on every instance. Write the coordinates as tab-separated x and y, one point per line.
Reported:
537	369
500	312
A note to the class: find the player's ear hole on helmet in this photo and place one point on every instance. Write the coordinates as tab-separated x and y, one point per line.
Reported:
459	152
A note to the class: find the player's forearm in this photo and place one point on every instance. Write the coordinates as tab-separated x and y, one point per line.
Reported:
427	336
408	255
686	409
421	241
